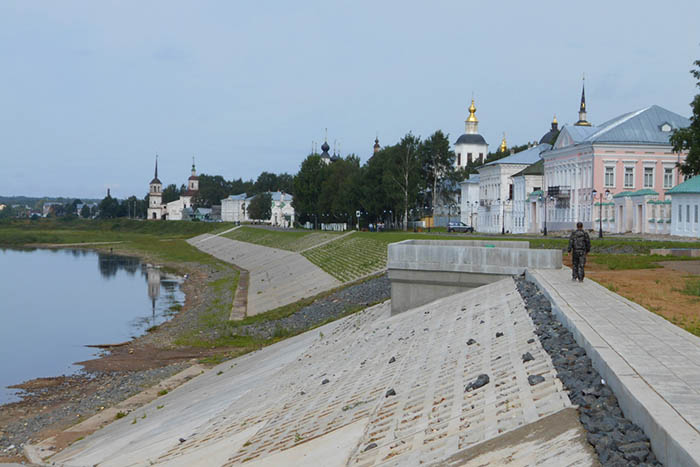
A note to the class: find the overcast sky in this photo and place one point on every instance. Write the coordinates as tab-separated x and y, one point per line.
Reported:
91	90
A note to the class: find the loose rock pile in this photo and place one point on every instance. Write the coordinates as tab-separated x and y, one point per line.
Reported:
618	441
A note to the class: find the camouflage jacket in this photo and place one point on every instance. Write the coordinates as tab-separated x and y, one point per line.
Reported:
579	241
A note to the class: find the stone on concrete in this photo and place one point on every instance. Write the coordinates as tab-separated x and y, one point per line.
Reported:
268	408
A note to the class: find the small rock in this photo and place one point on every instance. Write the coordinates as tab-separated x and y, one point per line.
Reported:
527	357
480	381
390	392
499	334
535	379
182	440
392	360
482	321
471	342
325	381
370	446
530	341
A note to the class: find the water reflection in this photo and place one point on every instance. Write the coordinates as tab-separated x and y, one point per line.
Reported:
76	307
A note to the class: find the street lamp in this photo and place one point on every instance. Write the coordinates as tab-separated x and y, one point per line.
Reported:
543	197
600	217
503	216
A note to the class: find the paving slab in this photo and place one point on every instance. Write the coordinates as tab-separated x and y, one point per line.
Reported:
275	277
652	365
369	389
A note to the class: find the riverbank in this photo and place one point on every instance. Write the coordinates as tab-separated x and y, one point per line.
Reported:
198	333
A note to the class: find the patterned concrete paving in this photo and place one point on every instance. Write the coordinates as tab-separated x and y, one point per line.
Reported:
370	389
276	277
652	365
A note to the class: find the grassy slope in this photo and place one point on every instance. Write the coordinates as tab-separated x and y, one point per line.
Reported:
289	240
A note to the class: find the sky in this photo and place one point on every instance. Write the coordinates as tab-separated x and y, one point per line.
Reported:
91	91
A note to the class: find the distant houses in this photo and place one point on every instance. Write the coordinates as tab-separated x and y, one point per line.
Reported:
235	209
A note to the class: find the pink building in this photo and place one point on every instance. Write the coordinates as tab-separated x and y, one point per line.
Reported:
628	160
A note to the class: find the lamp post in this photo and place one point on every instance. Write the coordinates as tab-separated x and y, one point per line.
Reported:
543	197
503	216
600	217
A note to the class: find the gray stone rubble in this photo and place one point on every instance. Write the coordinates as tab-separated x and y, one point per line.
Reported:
618	441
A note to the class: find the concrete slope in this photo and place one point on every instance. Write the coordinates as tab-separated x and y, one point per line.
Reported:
276	277
369	389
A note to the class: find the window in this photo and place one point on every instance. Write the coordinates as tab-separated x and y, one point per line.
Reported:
687	212
668	177
648	177
481	156
469	156
629	177
696	213
610	176
680	213
459	159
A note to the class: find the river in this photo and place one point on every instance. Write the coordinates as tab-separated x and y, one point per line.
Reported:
55	302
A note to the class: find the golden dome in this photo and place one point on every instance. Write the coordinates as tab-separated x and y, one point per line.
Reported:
504	146
555	120
472	111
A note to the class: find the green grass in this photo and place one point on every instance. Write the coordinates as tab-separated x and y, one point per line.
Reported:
691	287
285	240
351	257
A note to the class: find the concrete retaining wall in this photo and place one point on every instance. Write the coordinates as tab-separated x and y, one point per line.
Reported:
422	271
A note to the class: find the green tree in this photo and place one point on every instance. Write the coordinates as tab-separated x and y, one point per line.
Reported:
7	212
171	193
688	139
212	189
308	184
85	211
404	173
109	208
260	207
267	181
438	175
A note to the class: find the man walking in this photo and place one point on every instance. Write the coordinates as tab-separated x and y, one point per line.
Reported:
580	244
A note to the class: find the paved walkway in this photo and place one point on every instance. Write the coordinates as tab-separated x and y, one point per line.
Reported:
276	277
652	365
370	389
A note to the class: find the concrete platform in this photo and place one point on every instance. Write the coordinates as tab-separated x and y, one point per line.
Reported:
275	277
424	270
652	366
370	389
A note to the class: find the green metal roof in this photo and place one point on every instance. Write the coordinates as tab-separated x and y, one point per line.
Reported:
535	169
689	186
535	193
643	192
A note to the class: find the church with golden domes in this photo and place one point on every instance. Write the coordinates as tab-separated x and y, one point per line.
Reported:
470	146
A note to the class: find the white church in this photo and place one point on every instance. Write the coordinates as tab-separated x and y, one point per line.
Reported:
180	209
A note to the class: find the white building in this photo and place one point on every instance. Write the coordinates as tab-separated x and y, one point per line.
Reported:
235	209
527	186
471	146
469	208
496	188
180	209
685	202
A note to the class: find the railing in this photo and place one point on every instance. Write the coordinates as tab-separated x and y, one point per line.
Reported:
559	191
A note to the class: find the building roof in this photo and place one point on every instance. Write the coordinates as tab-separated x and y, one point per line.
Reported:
155	181
651	125
535	169
691	185
239	197
471	139
642	192
527	157
275	195
473	178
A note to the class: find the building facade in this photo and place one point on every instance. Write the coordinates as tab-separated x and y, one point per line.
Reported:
235	209
626	154
469	208
684	206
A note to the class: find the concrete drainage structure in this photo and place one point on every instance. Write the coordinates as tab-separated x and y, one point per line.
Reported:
422	271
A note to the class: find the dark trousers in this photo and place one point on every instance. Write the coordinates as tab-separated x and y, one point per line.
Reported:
578	258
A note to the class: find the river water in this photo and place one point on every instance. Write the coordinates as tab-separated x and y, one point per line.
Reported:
55	302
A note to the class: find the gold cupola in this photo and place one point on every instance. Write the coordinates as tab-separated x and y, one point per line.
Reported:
472	113
504	146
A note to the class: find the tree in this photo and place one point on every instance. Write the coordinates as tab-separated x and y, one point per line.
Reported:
212	189
260	207
308	184
6	212
405	173
85	211
437	167
109	208
266	181
688	139
171	193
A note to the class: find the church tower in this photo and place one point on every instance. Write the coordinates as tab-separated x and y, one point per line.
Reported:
582	108
155	196
193	181
471	146
377	147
